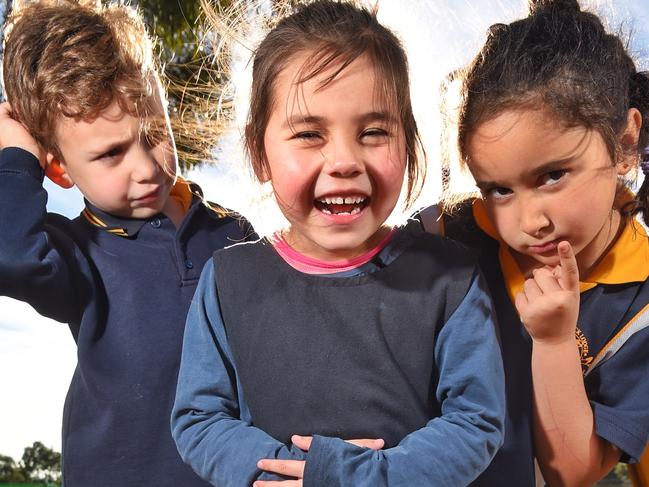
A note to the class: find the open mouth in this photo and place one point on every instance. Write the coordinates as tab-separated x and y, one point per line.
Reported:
342	205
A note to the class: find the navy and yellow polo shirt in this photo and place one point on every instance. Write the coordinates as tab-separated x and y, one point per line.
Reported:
123	286
612	333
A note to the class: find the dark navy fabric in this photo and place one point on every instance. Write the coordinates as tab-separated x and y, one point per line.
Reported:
333	315
125	300
618	389
215	425
514	462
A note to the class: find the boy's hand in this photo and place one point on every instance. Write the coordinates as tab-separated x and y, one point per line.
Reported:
14	134
549	303
295	468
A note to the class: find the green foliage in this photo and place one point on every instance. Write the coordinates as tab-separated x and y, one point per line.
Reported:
622	472
10	471
177	26
41	463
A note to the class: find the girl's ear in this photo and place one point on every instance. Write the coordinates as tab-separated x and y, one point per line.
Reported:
56	172
263	172
629	138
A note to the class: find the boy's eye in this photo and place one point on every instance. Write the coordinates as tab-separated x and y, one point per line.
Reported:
553	177
112	153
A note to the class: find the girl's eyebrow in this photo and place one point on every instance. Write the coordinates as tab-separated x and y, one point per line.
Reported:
551	166
315	120
537	171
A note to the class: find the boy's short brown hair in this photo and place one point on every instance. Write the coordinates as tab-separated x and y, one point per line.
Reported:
73	59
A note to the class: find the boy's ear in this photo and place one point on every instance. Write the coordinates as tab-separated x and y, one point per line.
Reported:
55	171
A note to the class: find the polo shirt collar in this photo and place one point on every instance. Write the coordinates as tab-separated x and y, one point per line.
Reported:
626	261
182	191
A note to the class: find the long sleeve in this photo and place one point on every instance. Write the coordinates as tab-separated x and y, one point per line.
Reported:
39	262
210	421
452	449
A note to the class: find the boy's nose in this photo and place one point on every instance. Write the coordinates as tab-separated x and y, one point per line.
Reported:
145	167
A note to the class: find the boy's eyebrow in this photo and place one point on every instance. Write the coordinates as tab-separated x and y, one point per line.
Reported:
117	144
315	120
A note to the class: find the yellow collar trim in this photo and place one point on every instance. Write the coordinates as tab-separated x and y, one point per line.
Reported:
626	261
182	194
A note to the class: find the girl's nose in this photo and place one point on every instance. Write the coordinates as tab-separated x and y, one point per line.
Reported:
533	218
344	161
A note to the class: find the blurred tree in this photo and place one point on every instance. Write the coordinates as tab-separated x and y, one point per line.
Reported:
177	26
10	471
5	6
40	463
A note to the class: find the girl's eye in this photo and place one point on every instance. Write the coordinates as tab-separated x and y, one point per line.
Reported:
374	133
497	193
307	136
553	177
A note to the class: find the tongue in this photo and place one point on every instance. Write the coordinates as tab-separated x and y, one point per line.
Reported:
341	208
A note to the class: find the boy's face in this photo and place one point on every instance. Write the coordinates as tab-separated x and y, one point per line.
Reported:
115	166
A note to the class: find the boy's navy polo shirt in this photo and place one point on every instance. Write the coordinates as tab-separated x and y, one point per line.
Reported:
124	287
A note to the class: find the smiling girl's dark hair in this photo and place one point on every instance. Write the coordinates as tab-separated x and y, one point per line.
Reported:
334	34
561	58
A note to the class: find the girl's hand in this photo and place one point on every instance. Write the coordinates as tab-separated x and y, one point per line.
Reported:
14	134
295	468
549	303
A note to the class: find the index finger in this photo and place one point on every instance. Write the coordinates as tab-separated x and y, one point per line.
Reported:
569	278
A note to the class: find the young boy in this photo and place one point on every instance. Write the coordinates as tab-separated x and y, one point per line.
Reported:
86	108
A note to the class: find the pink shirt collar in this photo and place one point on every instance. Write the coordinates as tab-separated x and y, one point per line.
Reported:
309	265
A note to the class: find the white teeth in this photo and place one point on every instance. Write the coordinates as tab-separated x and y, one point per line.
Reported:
339	200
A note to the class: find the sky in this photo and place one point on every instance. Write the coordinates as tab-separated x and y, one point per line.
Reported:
38	356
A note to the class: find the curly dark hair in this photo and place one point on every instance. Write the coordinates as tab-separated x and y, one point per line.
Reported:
562	58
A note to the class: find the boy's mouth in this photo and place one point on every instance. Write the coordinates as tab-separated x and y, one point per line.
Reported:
341	205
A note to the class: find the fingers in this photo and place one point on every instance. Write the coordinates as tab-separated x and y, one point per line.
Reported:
569	275
302	442
546	280
278	483
372	444
288	468
521	302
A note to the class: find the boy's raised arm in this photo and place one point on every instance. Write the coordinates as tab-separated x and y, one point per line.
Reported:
210	420
38	263
14	134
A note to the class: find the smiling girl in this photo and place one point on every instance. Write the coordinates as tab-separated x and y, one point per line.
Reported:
338	326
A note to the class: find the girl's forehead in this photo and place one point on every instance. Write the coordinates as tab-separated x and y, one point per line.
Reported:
304	77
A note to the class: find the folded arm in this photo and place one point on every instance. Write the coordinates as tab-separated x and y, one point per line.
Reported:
210	421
